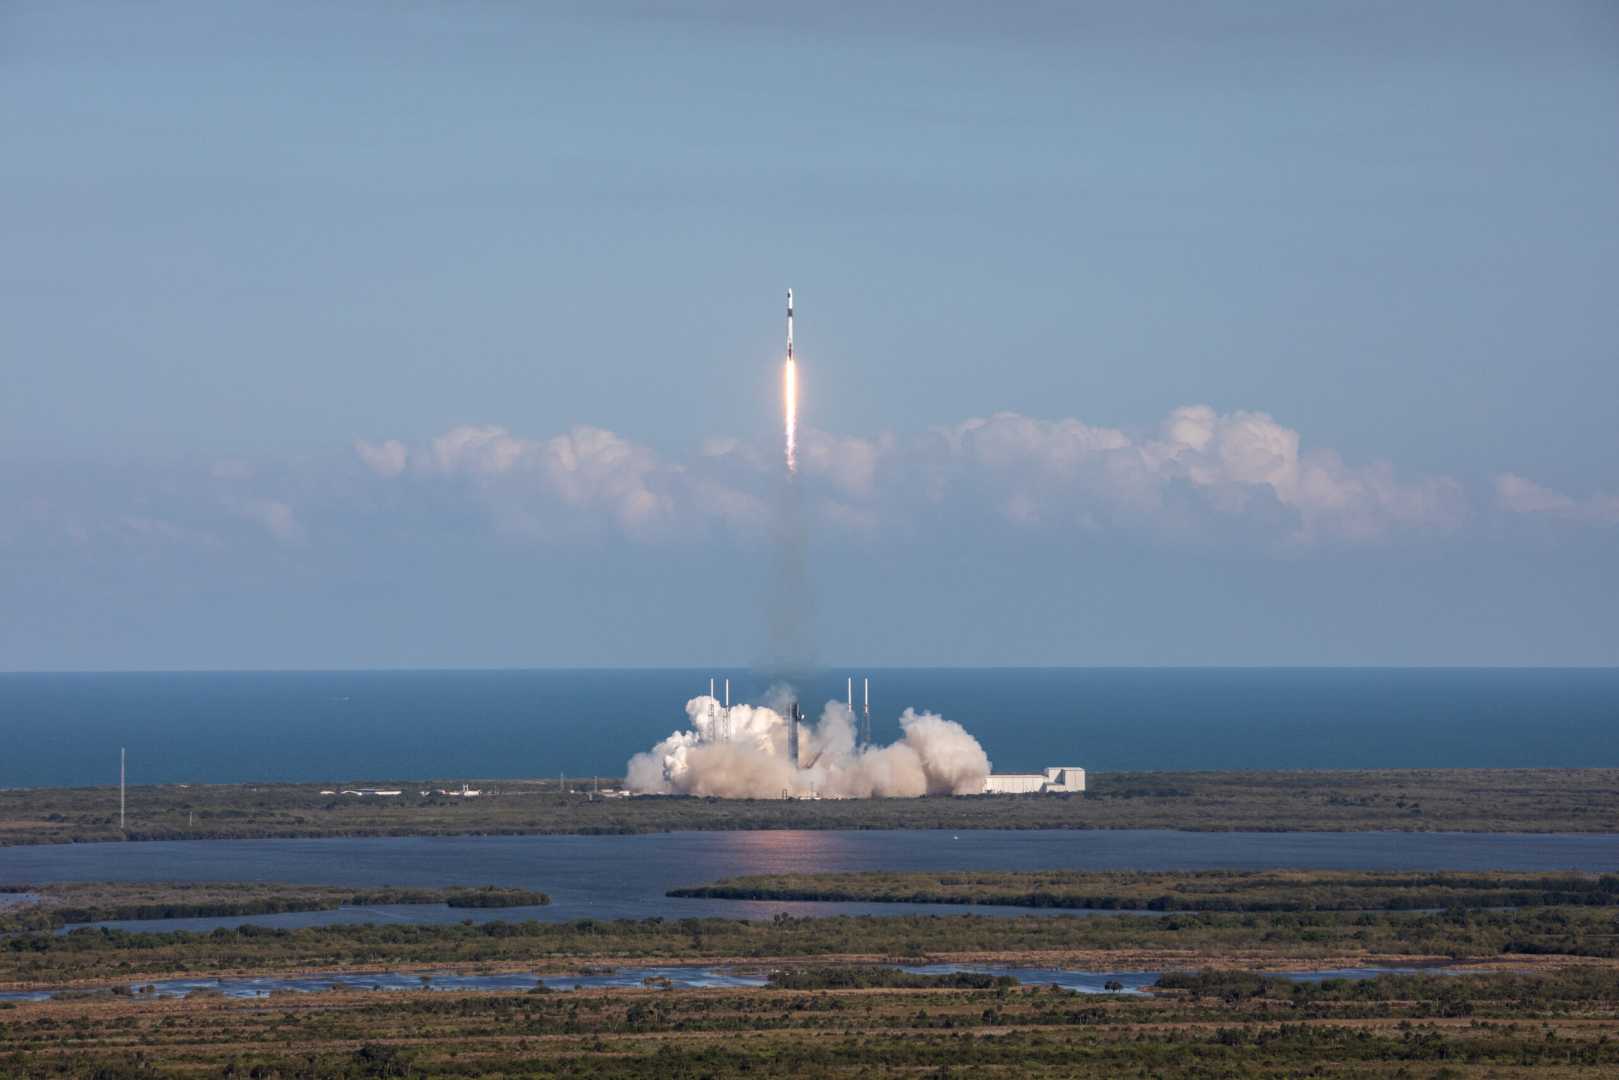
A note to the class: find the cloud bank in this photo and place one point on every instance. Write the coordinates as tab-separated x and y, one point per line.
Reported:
1237	480
1197	466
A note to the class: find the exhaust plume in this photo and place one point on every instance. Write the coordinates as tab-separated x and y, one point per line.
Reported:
788	609
789	393
744	756
789	408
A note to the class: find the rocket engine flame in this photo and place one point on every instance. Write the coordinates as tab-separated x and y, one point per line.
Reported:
789	400
789	393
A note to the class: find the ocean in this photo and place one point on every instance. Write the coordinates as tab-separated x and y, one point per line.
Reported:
204	727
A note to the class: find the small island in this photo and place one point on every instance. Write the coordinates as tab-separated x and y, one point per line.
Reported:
38	907
1201	890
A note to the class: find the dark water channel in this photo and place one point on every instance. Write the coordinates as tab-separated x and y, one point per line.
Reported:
662	978
625	877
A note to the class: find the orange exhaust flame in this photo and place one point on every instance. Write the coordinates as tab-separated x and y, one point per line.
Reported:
789	397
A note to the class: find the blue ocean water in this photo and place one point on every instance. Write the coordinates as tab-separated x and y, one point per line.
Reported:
65	729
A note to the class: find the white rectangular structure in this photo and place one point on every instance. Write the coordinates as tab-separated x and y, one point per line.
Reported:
1017	783
1064	778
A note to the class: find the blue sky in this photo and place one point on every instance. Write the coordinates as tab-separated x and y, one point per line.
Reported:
415	335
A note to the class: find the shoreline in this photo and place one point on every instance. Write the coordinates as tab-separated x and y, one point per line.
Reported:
474	834
1528	801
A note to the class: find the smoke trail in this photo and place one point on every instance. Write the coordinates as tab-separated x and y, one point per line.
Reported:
934	756
790	603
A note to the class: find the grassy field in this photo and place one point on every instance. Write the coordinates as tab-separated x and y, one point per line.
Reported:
38	907
1206	890
1279	940
1470	800
1555	1026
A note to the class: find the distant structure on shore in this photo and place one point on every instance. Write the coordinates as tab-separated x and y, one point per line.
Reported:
1057	778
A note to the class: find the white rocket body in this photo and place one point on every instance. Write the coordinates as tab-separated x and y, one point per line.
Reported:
867	693
789	324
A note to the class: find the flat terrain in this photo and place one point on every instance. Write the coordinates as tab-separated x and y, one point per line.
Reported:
1529	992
1467	800
1278	940
1552	1026
1203	890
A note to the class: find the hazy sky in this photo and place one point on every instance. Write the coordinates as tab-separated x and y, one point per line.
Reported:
448	334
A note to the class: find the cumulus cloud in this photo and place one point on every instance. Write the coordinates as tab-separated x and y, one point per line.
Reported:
1071	474
1515	494
274	516
549	486
1197	477
1197	464
385	459
848	463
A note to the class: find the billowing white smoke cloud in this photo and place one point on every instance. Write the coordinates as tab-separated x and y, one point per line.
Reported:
742	754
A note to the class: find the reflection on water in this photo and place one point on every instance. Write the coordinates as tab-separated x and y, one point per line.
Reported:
657	978
625	877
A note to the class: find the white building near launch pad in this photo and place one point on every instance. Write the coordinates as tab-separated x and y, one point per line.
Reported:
1057	778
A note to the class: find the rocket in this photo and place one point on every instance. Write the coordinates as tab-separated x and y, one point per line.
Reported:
868	709
789	394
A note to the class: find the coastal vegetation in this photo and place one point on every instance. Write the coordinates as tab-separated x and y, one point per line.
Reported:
1554	1025
1526	991
40	907
1469	800
1284	940
1206	890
